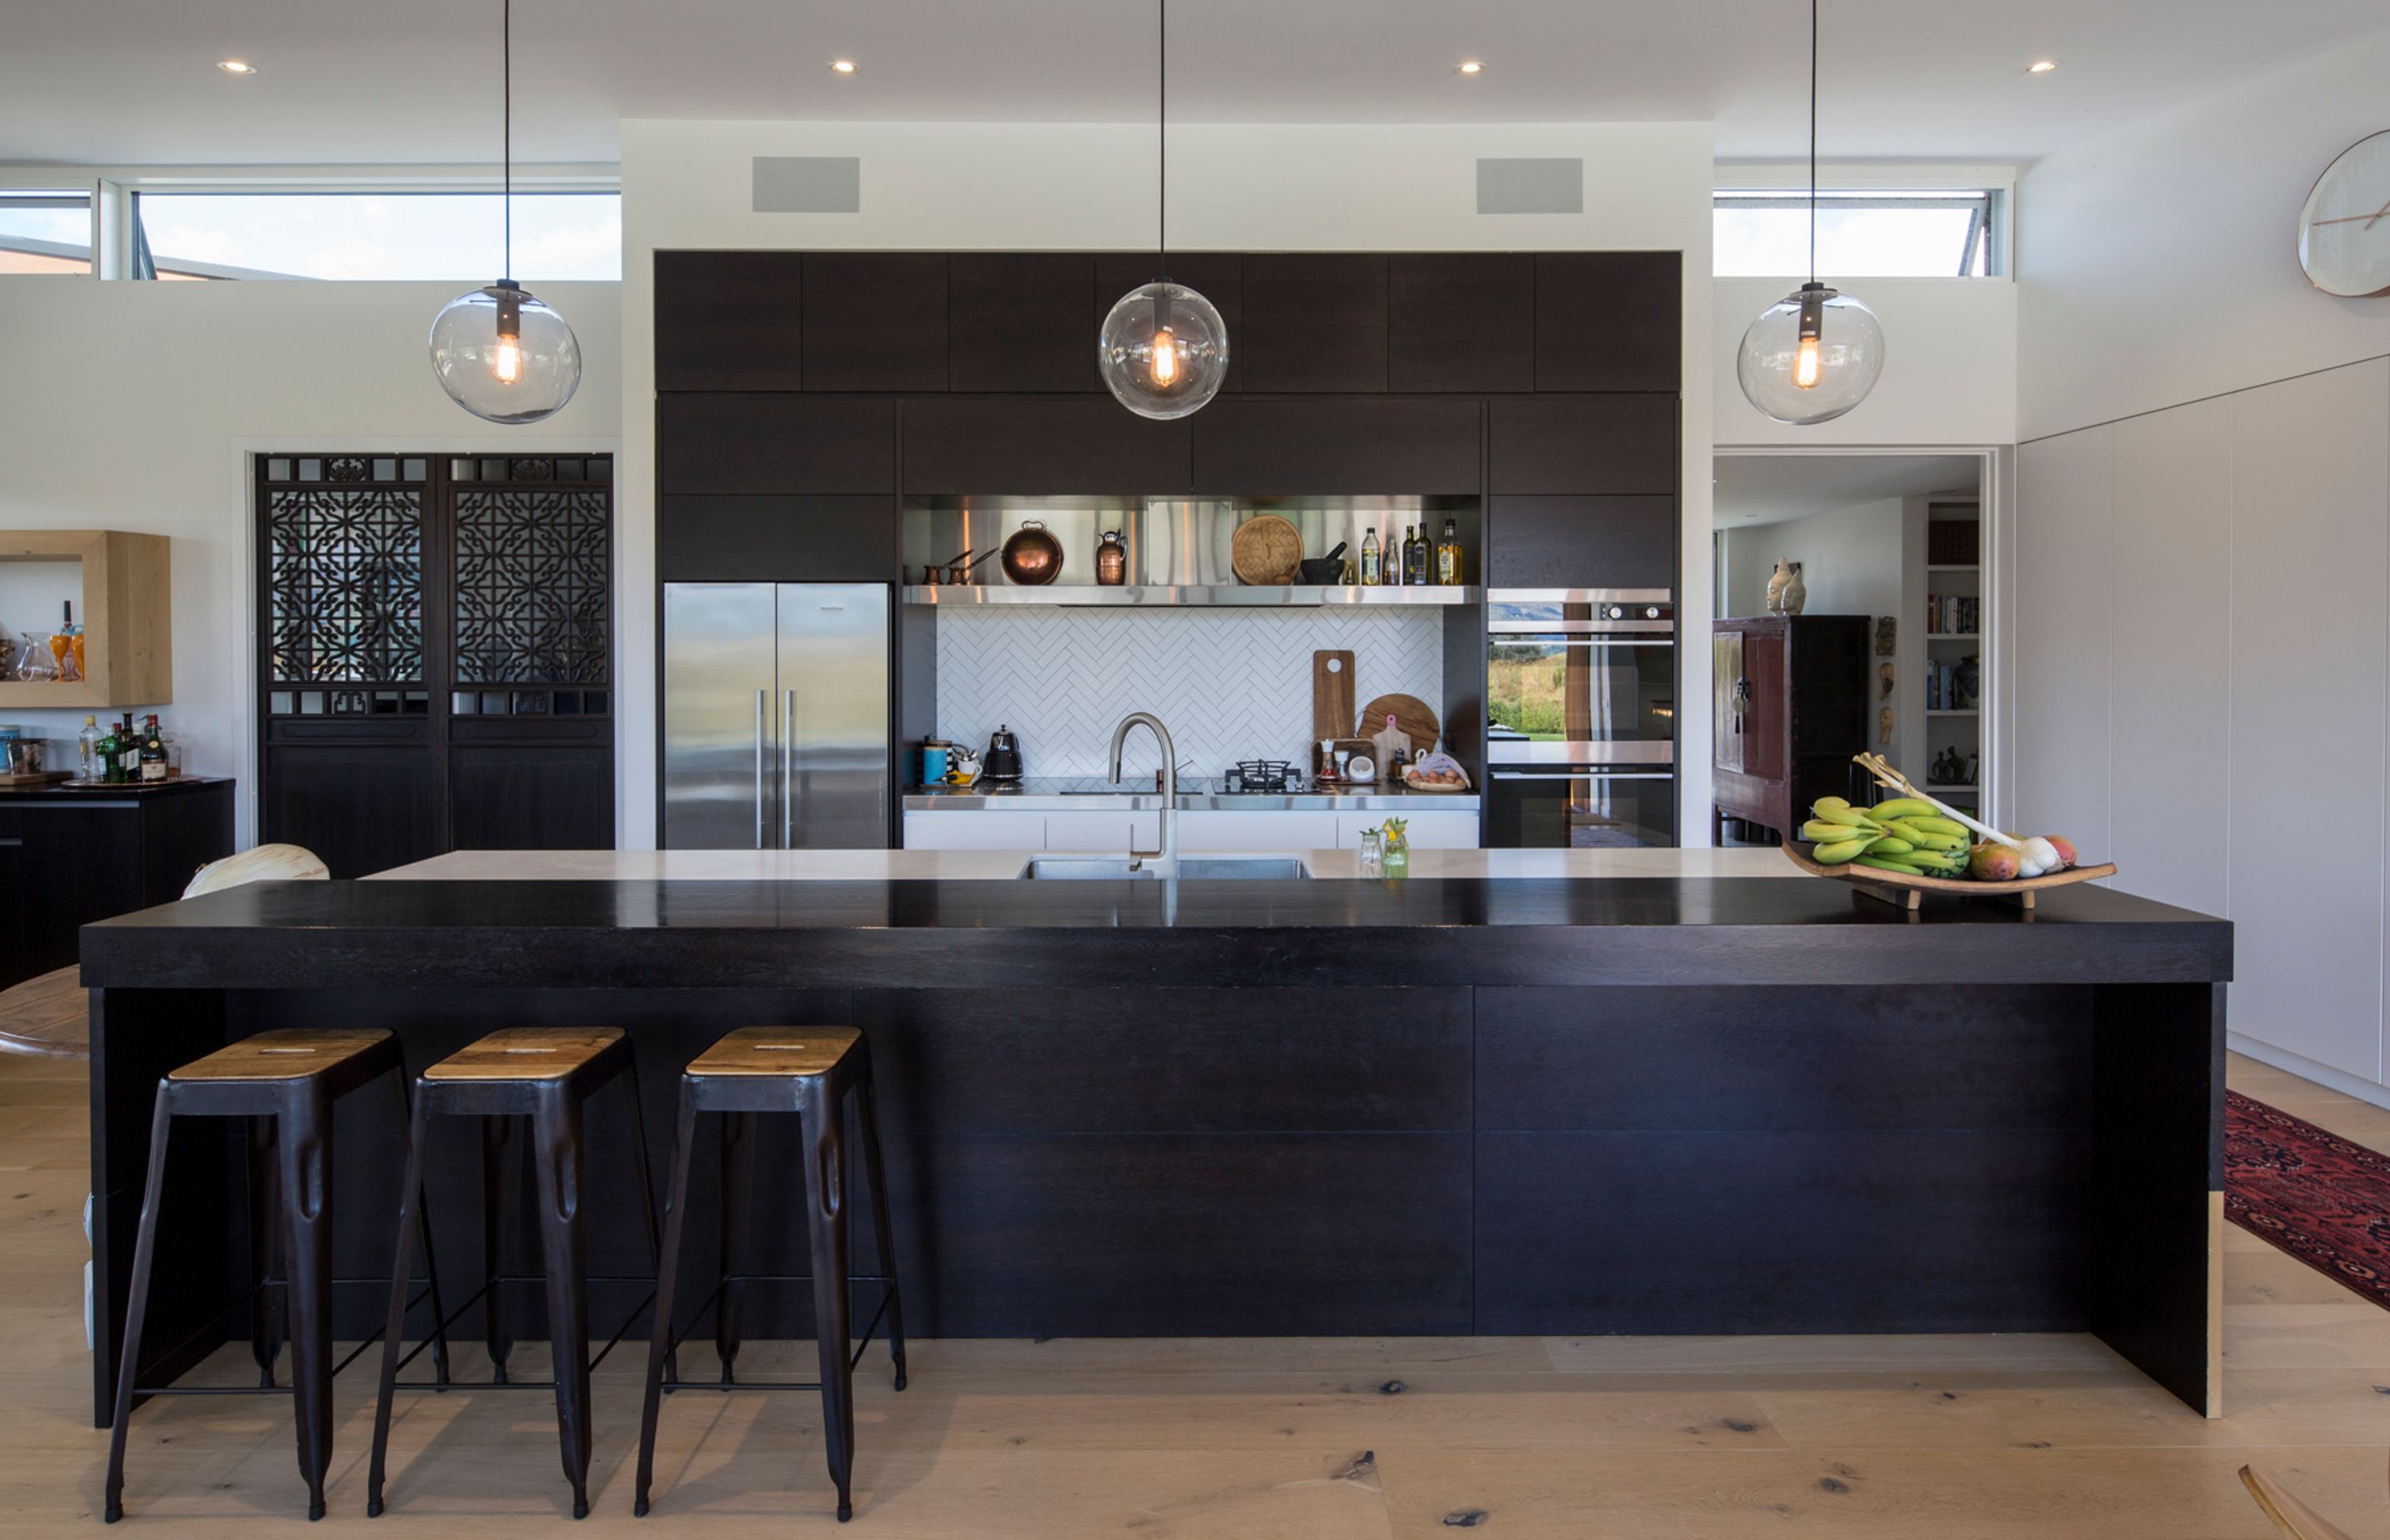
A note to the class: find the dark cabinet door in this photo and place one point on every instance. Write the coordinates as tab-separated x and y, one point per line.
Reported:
317	794
1460	323
875	321
1313	322
1615	445
1050	445
1218	277
1581	543
783	539
74	864
1609	321
532	796
1728	691
774	442
1291	447
1765	708
730	320
1021	321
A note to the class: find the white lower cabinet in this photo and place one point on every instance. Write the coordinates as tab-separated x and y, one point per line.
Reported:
1220	828
1116	833
975	830
1437	830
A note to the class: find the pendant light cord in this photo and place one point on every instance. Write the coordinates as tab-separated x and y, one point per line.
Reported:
1161	139
1812	141
506	95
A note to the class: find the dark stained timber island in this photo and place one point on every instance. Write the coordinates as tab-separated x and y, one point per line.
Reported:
1680	1105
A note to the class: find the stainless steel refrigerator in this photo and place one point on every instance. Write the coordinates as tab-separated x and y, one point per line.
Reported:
775	714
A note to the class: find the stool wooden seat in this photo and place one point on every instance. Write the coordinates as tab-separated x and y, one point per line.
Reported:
807	1073
539	1075
527	1053
284	1084
287	1053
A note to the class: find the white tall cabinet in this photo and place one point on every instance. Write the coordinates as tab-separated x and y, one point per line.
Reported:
2202	625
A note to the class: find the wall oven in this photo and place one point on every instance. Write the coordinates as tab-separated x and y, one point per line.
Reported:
1581	708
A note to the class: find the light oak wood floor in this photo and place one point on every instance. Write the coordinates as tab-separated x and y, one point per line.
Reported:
1952	1438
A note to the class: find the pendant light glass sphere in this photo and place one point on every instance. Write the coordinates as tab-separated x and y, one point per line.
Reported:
1811	356
1162	350
504	355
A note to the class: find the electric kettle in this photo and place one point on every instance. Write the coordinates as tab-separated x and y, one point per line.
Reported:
1002	762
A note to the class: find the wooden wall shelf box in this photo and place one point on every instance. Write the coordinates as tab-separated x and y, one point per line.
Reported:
125	609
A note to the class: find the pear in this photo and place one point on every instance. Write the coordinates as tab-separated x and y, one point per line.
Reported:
1992	862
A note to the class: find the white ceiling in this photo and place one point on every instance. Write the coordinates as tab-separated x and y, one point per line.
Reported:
1768	489
133	81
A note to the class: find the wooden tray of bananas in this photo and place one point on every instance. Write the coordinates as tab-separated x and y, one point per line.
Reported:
1911	845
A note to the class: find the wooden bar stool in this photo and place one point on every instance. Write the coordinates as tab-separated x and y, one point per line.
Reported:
284	1082
544	1074
808	1072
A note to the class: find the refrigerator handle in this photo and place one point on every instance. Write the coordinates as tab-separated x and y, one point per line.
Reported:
759	770
788	773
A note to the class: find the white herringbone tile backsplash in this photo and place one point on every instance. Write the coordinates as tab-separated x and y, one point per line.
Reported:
1231	684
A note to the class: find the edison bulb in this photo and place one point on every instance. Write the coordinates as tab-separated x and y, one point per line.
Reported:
505	355
1811	356
1162	350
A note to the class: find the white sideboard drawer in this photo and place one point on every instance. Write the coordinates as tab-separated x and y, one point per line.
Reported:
978	829
1104	833
1436	830
1225	829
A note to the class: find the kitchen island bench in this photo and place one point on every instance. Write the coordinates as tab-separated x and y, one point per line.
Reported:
1552	1103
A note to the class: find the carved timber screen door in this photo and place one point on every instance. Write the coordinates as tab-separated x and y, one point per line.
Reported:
435	654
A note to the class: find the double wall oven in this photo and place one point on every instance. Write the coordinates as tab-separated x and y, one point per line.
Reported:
1581	708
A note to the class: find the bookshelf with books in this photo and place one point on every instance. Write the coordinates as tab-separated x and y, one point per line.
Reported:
1956	650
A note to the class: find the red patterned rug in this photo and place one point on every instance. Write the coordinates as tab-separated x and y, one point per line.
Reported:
2312	1193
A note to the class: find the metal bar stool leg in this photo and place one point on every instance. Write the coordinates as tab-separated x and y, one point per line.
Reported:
825	1158
423	1235
556	1148
306	1146
738	1168
868	1116
497	1145
667	1275
136	1304
265	1223
410	1211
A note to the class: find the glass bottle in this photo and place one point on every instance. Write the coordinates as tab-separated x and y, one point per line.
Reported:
1416	549
89	742
1447	554
152	753
128	752
1370	558
1372	861
66	647
110	747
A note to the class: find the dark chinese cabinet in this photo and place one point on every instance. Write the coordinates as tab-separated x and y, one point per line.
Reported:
1790	711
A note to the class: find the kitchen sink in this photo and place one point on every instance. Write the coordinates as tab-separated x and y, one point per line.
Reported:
1191	868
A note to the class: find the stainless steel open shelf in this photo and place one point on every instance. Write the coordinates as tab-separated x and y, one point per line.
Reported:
1222	596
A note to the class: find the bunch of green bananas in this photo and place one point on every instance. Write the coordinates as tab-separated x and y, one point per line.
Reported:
1902	835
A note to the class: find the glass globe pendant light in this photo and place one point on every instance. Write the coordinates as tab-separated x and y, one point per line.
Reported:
1162	350
500	353
1817	353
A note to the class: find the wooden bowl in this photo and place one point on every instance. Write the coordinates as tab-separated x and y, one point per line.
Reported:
1267	551
1909	891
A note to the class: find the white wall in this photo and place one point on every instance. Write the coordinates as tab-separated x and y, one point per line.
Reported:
2160	264
135	406
1862	561
2203	544
960	186
1949	370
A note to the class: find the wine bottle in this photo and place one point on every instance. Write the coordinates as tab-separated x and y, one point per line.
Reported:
152	753
128	752
109	746
1415	558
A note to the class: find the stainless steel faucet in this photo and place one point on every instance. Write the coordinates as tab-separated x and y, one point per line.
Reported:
1168	854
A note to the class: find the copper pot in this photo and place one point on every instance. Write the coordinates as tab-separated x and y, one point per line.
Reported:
1031	556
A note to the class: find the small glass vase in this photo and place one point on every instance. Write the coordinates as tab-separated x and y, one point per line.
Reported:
33	662
1372	854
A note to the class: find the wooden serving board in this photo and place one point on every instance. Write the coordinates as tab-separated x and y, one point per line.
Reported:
39	778
1331	696
1411	714
1908	892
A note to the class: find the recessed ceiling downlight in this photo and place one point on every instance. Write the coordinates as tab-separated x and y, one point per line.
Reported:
1469	67
2041	67
842	66
236	67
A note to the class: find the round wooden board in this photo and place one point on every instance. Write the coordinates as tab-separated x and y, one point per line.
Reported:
1904	889
1267	551
1411	714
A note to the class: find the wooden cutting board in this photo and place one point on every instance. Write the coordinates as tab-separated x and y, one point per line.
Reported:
1331	696
1410	713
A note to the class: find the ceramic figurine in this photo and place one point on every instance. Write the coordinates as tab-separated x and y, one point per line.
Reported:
1797	593
1776	581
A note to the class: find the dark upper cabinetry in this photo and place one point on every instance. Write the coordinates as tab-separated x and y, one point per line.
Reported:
769	444
1022	322
1313	323
821	539
1460	324
1582	444
876	321
1581	543
1609	321
730	320
1040	444
1288	447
